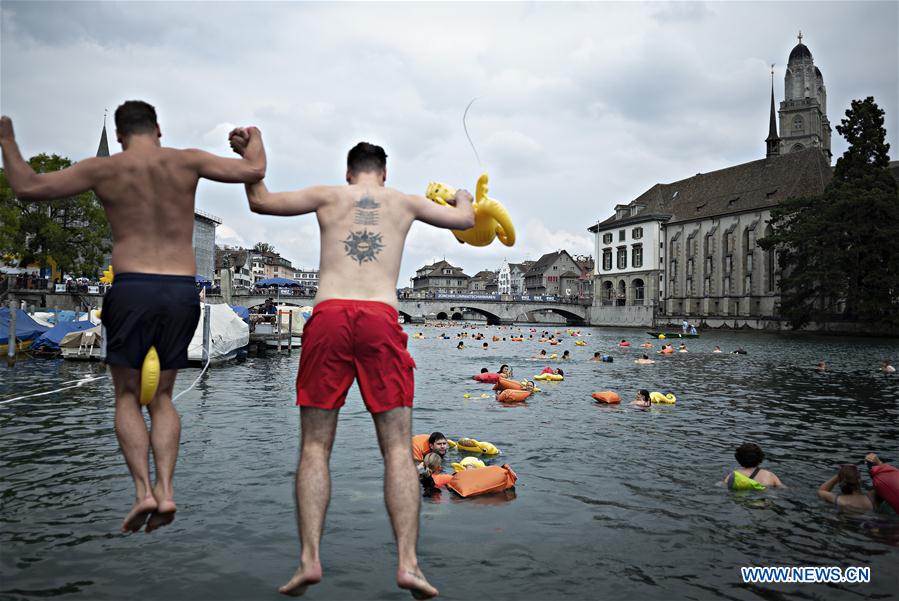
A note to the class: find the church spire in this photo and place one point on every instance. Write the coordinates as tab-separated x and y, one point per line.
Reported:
773	141
103	149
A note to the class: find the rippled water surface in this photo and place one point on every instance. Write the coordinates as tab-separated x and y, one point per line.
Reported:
611	502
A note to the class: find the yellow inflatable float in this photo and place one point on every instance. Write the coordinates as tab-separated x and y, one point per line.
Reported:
550	377
467	464
580	343
657	398
149	371
470	445
491	220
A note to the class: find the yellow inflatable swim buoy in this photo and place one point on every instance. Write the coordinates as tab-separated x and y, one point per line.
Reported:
491	220
580	343
657	398
149	377
661	337
467	463
474	447
554	356
550	377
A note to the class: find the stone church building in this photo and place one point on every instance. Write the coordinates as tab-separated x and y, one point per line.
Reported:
689	249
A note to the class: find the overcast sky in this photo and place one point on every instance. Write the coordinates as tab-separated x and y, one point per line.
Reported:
580	106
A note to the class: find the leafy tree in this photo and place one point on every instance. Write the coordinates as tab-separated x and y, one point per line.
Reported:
835	251
264	247
73	231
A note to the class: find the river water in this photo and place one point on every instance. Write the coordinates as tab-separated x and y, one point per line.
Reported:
611	502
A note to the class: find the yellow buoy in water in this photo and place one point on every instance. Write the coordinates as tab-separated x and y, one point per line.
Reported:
149	376
661	337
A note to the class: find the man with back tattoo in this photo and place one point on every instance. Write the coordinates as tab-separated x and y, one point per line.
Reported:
353	333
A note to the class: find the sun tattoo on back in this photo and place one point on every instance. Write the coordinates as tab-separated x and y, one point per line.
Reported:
363	246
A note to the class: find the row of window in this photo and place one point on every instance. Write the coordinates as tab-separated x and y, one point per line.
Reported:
636	234
621	256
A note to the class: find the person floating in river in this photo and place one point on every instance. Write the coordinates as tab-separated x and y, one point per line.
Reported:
750	476
644	360
851	496
642	399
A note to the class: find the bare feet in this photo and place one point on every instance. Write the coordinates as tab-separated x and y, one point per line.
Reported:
158	520
414	582
135	519
302	579
165	510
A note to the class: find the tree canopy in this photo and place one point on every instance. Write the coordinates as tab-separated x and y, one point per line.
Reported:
73	231
836	251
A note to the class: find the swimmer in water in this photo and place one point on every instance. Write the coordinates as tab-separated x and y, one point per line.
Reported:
644	360
566	356
886	366
597	357
717	349
505	371
642	399
540	355
750	456
821	366
460	346
851	496
682	348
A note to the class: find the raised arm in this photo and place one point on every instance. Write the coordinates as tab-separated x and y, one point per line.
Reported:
249	168
28	185
824	489
458	216
299	202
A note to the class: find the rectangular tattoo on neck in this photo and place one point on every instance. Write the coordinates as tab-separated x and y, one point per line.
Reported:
366	210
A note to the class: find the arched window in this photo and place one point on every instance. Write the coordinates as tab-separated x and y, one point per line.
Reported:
622	293
797	147
639	290
797	122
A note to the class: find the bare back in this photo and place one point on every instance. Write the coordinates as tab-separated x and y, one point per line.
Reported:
363	231
148	194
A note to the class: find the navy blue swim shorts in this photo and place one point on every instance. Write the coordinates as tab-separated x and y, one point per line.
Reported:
145	309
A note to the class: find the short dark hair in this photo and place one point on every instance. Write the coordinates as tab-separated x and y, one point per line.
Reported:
749	454
484	370
644	393
135	117
366	157
560	372
434	437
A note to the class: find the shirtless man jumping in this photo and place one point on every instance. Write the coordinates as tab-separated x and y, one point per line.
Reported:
148	194
353	334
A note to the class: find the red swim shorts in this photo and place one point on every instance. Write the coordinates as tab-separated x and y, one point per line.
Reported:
348	339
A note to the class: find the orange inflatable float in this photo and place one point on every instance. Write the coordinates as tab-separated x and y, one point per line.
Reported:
442	479
513	396
482	481
420	446
609	397
504	384
517	339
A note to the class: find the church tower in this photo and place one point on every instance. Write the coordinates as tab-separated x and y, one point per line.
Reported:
803	112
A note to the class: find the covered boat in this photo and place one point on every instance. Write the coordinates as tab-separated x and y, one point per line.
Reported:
82	345
228	334
47	344
27	330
